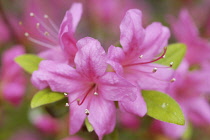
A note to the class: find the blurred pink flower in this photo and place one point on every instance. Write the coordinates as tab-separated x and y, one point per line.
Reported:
129	121
134	60
188	91
46	124
13	81
91	89
186	32
25	135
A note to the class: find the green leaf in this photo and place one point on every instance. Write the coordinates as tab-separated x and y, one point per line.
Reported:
28	62
45	96
175	53
162	107
88	125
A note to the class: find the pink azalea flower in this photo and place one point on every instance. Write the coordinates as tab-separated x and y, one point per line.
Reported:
186	32
12	76
91	89
59	41
188	91
134	60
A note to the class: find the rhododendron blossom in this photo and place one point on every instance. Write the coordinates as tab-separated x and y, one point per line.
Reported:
60	41
134	60
91	90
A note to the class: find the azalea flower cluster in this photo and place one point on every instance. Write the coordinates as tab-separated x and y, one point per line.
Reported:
105	86
93	80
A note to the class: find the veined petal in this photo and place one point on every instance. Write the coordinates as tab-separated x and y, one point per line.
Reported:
67	29
60	77
116	88
77	116
137	107
144	76
102	116
156	37
116	54
76	11
132	32
91	59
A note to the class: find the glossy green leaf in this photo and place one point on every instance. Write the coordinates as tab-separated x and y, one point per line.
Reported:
162	107
28	62
45	96
175	53
88	125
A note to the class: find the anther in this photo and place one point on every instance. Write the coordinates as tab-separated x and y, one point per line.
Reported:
95	93
26	34
37	25
164	56
154	70
46	16
46	33
87	112
140	56
20	23
171	64
67	104
65	94
173	80
31	14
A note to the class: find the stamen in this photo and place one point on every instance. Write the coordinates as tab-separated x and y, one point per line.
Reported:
154	70
140	56
164	56
95	93
37	41
65	94
20	23
67	104
171	64
32	14
46	33
37	25
46	16
78	100
173	80
165	49
87	112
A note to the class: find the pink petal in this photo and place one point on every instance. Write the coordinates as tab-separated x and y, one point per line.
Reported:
132	32
67	29
77	115
76	11
102	116
60	77
156	38
90	60
116	88
198	111
137	107
116	54
147	80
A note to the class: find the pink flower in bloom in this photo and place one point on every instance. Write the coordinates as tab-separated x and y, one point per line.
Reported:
134	60
58	41
12	77
188	91
186	32
91	89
